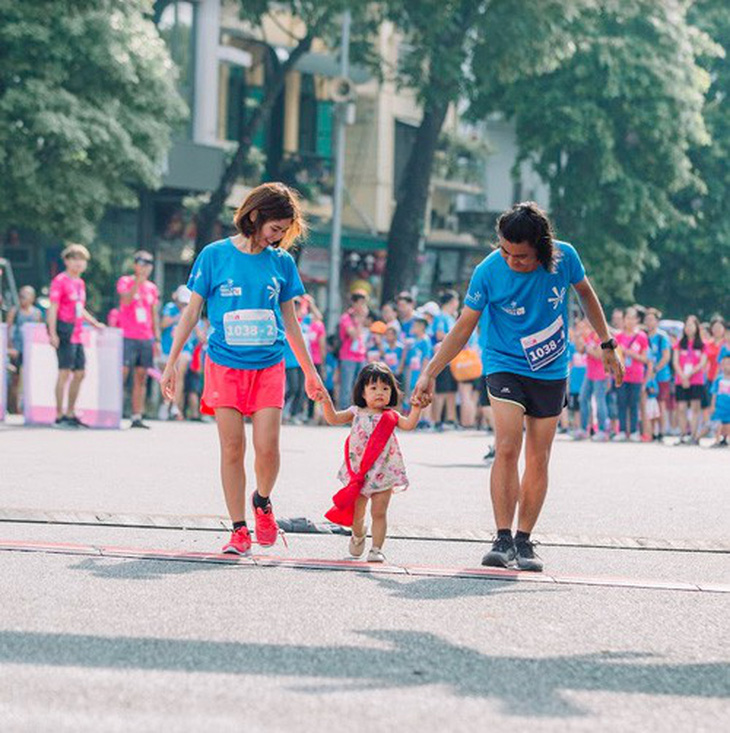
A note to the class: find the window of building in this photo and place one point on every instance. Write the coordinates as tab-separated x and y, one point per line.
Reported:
176	23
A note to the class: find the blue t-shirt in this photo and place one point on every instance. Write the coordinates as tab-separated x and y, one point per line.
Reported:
527	327
578	365
721	388
482	337
657	344
392	356
244	293
330	367
444	323
420	351
169	310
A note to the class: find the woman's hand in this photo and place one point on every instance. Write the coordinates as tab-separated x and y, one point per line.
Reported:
168	380
314	387
423	391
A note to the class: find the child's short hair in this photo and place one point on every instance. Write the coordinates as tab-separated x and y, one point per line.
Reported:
420	320
376	371
76	250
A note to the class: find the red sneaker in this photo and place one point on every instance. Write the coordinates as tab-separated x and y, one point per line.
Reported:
267	530
240	542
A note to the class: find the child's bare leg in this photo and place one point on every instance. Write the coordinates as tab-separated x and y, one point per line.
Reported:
379	513
233	442
358	523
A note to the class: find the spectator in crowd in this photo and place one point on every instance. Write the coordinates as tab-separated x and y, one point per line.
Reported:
316	335
393	354
295	394
578	366
690	360
331	368
353	336
635	347
374	341
721	401
389	315
66	316
419	354
651	418
25	312
446	385
660	349
595	386
140	324
171	314
405	306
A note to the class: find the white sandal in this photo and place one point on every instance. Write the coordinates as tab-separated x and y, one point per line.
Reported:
376	555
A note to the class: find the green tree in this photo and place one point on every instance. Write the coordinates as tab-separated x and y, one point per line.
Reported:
691	268
87	101
447	41
611	128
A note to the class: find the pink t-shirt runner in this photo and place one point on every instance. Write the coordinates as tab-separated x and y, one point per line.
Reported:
595	370
69	294
136	317
636	343
351	349
689	358
314	334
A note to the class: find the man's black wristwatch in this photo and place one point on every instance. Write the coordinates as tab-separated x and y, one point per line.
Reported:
610	344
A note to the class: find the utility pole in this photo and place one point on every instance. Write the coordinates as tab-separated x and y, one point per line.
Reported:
333	296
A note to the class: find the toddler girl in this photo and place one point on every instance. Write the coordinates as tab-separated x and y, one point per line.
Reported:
373	468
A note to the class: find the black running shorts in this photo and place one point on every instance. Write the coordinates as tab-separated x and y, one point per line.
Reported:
537	397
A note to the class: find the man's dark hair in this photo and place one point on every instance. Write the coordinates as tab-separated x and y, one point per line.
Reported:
447	296
376	371
527	222
405	295
357	297
653	312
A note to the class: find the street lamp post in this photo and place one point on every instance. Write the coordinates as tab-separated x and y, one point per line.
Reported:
333	297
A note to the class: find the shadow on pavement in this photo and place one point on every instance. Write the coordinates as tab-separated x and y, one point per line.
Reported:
124	569
439	589
523	685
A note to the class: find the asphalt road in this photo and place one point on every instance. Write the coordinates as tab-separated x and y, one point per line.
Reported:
91	642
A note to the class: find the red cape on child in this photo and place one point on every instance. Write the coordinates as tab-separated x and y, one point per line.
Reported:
343	511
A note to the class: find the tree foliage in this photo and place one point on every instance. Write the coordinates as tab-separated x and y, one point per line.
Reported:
87	101
610	128
691	272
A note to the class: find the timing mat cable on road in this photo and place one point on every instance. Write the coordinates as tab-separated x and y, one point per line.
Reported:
270	561
302	525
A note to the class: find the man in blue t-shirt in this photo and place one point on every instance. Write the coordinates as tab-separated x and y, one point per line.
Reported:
660	351
524	287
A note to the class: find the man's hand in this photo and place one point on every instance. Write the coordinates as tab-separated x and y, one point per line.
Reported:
423	391
613	365
54	340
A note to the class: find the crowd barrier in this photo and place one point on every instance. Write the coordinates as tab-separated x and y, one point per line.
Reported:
100	400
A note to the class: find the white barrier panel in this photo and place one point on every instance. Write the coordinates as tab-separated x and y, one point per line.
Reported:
100	400
3	368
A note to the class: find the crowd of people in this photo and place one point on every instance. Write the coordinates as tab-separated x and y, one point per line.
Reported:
677	381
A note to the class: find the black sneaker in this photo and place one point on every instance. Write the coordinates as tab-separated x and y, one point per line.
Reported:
61	422
74	422
502	554
139	424
527	558
490	454
721	444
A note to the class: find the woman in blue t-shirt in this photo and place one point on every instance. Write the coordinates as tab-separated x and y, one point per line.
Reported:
249	282
524	286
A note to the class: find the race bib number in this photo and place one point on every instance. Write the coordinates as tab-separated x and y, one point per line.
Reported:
545	346
391	359
415	362
250	327
140	314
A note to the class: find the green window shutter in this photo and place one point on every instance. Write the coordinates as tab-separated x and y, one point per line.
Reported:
325	114
259	139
